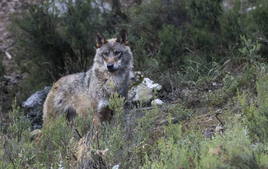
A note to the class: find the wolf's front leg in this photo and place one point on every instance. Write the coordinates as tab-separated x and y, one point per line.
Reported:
103	113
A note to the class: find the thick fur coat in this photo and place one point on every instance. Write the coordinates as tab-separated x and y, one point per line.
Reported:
83	93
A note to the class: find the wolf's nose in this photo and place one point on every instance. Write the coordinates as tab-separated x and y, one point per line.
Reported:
110	67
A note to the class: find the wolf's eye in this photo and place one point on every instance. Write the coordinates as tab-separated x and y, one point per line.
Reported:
105	54
117	53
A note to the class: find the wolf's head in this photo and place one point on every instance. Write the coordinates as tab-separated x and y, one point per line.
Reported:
113	55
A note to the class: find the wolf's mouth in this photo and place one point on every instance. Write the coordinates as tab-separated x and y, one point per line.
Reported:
112	70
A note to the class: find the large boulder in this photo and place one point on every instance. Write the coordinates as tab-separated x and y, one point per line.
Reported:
34	107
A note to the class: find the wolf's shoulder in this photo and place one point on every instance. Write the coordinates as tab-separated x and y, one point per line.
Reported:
76	80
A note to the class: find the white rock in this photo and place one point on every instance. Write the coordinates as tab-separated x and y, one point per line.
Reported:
8	55
150	84
219	129
36	99
35	133
145	91
157	102
61	165
116	166
251	8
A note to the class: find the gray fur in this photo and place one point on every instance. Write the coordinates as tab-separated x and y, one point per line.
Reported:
91	90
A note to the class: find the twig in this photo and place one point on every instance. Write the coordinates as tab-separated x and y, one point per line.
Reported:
77	132
141	109
216	115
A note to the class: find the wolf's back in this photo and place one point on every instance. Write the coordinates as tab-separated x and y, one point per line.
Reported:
68	93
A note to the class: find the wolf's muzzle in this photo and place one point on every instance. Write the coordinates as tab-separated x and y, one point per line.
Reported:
111	68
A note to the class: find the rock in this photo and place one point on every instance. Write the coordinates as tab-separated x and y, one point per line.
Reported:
35	133
116	166
186	92
61	165
34	106
150	84
156	102
14	79
144	92
219	129
141	93
208	133
36	99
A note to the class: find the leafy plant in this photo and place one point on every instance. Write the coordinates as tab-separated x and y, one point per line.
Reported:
250	49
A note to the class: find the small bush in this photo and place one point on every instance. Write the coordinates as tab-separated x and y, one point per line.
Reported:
191	150
260	16
255	112
171	49
205	13
16	151
250	50
20	149
225	151
55	143
232	24
147	20
62	41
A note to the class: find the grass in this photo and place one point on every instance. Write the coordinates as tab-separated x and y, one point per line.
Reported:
162	137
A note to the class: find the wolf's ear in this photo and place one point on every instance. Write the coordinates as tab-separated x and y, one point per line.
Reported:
122	38
100	40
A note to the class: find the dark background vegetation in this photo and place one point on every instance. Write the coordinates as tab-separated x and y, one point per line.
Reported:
166	36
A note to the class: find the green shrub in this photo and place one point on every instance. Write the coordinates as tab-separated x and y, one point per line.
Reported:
16	151
202	34
260	16
232	24
19	125
224	151
185	36
174	152
256	112
52	43
233	84
205	13
232	149
20	149
171	49
55	143
63	42
250	49
176	36
147	20
128	137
